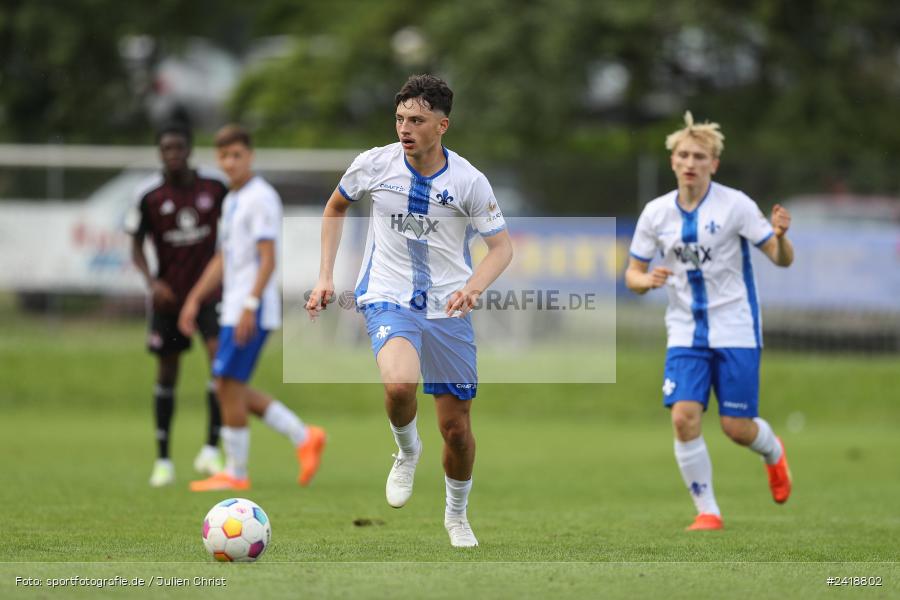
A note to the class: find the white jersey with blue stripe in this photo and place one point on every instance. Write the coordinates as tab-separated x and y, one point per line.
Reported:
713	301
417	249
249	215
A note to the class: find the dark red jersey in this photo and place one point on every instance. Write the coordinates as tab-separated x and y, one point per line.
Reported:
182	222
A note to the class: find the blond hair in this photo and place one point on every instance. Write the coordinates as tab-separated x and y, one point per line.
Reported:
706	133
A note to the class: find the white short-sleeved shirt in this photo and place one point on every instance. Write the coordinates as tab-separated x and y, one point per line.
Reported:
249	214
417	248
713	301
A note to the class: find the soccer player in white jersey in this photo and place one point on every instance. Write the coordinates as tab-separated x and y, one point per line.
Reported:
416	284
251	308
701	234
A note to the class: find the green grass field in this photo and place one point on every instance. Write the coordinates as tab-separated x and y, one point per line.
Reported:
576	489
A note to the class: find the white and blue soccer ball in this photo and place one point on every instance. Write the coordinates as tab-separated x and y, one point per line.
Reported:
236	530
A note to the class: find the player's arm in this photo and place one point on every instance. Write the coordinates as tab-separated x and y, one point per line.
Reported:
779	248
161	294
640	281
499	255
246	327
332	226
209	282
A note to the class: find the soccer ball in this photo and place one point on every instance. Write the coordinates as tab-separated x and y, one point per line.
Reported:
236	530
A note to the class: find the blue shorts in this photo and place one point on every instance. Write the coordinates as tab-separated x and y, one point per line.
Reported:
446	347
732	372
237	362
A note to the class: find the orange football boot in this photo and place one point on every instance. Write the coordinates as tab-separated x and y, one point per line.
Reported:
220	481
706	522
780	477
309	453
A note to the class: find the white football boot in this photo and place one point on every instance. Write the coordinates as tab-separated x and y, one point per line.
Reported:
209	461
460	531
399	486
163	473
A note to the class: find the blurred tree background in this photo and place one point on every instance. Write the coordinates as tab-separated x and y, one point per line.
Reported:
569	99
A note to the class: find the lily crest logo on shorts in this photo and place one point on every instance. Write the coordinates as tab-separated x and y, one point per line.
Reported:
668	387
383	331
444	198
418	225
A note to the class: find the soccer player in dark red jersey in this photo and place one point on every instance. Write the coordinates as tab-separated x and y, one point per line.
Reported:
178	210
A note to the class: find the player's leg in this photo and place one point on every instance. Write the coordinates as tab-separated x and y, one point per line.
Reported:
736	381
164	409
449	373
232	368
398	363
396	338
167	343
308	440
235	439
455	425
209	459
686	392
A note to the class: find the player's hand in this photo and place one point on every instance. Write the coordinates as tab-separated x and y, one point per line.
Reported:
657	277
163	297
319	299
187	319
246	327
781	220
462	302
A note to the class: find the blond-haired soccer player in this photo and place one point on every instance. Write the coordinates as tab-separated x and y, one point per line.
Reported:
701	234
251	308
417	285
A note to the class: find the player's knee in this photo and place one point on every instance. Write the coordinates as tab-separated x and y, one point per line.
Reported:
456	432
687	426
737	429
400	393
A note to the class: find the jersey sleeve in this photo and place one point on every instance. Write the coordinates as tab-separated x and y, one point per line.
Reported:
484	211
265	220
355	182
643	244
136	219
754	226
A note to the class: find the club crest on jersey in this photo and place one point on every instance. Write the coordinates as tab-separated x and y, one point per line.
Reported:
696	254
712	227
418	225
187	218
444	198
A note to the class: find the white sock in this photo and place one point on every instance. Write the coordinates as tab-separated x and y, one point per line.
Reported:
285	421
765	443
407	438
457	496
236	442
696	470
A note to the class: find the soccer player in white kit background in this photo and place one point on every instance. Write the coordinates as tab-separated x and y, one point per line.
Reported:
701	234
416	284
245	265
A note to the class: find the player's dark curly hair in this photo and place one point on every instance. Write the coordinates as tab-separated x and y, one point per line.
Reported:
178	128
431	89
